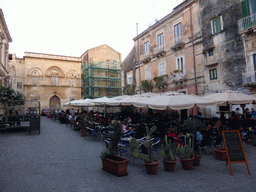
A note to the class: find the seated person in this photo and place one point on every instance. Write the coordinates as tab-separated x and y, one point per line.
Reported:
173	135
140	132
129	120
207	135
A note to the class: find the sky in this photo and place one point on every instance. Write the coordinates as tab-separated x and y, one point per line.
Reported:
70	27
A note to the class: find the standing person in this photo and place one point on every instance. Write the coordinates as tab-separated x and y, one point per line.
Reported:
248	114
253	113
238	112
234	122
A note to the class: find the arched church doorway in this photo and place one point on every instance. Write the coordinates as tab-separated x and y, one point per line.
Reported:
54	102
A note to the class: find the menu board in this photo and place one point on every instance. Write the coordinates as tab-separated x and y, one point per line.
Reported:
234	146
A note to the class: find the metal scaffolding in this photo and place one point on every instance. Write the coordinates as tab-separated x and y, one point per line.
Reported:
101	79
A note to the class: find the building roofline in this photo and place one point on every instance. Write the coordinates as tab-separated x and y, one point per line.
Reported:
97	47
51	56
174	12
5	26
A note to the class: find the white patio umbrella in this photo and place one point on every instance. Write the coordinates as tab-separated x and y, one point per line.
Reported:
66	104
103	101
74	102
231	97
174	102
128	100
83	103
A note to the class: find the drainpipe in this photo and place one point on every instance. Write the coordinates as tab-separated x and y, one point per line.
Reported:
137	58
193	47
245	53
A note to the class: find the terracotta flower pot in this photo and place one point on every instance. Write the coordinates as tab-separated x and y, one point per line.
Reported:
83	132
197	160
187	163
169	165
152	168
220	154
116	165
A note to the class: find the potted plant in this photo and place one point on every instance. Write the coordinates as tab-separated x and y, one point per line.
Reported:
150	164
194	125
185	153
176	71
111	162
168	154
221	154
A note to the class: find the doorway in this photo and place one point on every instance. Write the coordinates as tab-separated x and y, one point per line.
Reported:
54	102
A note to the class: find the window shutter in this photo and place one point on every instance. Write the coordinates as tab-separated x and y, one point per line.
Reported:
245	8
254	6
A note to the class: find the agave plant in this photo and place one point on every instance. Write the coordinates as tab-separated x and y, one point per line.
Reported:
169	150
148	143
186	151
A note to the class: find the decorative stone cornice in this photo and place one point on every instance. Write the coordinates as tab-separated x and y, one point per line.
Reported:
49	56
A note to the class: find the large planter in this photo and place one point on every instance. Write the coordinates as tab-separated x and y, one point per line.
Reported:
83	132
220	154
116	165
187	163
152	168
169	165
197	160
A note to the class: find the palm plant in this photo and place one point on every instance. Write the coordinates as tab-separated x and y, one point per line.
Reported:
114	138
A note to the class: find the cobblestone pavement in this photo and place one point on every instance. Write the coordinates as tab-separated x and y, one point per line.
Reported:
60	160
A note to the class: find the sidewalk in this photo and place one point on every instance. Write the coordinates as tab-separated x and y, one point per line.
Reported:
60	160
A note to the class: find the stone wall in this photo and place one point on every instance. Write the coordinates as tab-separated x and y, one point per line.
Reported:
227	45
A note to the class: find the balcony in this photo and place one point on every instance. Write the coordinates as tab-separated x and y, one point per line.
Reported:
159	51
247	23
249	78
211	60
178	43
36	81
146	57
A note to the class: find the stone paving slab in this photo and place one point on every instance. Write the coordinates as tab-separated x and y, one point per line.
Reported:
60	160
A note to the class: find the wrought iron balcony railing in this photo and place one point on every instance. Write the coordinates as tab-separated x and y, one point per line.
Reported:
249	78
246	23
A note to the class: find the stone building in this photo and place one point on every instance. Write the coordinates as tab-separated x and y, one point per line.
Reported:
223	51
128	70
51	79
101	72
168	53
5	39
247	29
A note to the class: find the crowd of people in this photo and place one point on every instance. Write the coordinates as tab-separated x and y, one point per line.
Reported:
170	125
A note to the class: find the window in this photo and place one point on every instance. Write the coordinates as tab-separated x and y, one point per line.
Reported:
146	47
162	69
72	82
178	32
147	73
54	80
160	41
210	52
248	7
213	73
19	85
180	64
129	80
10	83
217	25
35	80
